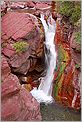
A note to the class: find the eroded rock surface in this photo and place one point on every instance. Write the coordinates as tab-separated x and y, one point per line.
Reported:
66	87
16	102
24	27
75	49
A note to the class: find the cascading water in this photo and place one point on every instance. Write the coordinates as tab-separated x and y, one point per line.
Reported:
44	91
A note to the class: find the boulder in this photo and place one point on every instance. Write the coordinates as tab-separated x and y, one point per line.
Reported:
22	28
10	86
16	102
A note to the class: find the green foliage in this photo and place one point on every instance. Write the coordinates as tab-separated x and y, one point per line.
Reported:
78	37
20	46
77	66
71	9
66	8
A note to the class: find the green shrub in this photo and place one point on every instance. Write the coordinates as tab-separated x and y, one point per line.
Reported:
66	8
20	46
71	9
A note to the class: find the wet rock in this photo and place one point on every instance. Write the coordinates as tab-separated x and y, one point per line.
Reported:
66	87
31	80
17	103
24	27
59	113
28	87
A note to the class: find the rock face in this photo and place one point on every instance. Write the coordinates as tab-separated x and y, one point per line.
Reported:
29	4
23	27
5	69
16	102
75	49
32	7
66	87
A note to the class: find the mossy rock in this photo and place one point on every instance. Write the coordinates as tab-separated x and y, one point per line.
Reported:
78	37
20	46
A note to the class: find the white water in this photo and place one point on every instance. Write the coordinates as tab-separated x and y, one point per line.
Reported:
44	91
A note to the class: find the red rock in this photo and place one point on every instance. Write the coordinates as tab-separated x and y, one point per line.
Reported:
5	69
11	108
16	5
10	85
8	50
24	68
24	27
21	5
74	44
17	103
75	49
4	37
20	24
30	4
66	87
18	59
41	5
75	55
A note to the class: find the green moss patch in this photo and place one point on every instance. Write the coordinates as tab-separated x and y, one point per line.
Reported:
78	37
20	46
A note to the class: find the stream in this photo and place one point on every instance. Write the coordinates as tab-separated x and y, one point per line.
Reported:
44	91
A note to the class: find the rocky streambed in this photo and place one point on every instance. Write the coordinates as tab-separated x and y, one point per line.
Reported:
57	112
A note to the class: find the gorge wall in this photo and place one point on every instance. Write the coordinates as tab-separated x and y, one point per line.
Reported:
22	56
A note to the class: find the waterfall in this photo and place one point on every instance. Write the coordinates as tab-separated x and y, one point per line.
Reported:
44	91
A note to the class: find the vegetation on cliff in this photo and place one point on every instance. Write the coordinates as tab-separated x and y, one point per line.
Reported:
20	46
71	10
78	37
